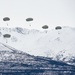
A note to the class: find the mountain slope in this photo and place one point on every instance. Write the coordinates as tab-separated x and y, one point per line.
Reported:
14	62
57	44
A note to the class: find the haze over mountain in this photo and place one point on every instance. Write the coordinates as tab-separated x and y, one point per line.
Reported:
56	44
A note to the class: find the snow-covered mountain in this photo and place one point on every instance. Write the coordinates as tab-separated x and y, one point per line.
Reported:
16	62
56	44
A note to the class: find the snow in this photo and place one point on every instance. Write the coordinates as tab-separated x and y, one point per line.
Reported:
4	48
51	43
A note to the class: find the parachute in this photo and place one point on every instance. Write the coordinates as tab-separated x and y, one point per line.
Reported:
58	27
6	19
6	35
29	19
45	27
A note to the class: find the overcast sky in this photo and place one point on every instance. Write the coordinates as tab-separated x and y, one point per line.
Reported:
44	12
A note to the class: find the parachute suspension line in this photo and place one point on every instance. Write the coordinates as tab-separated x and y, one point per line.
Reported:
6	41
7	24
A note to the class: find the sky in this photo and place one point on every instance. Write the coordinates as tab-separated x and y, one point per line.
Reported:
44	12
